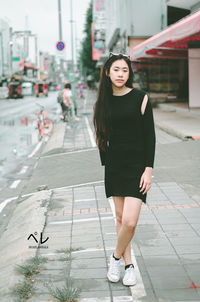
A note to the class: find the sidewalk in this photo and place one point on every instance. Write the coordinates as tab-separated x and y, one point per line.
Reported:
80	221
178	120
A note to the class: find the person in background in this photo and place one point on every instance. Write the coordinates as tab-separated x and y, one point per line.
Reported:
66	101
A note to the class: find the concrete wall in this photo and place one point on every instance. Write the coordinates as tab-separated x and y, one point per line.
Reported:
194	77
138	18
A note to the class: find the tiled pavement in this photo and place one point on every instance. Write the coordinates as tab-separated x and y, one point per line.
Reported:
166	245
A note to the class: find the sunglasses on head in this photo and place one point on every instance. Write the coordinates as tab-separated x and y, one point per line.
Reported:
118	54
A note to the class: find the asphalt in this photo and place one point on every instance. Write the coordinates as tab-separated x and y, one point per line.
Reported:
73	212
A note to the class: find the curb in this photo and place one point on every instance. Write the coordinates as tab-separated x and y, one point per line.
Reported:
29	217
171	131
56	139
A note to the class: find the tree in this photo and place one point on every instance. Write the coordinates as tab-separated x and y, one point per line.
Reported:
85	59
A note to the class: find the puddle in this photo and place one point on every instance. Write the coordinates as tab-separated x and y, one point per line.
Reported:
17	138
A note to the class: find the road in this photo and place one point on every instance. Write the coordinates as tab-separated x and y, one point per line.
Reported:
18	129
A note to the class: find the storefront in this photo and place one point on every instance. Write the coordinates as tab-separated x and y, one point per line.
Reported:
169	62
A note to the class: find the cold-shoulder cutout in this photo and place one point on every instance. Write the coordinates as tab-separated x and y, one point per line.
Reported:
144	103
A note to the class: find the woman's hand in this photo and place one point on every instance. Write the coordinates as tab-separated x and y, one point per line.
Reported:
146	180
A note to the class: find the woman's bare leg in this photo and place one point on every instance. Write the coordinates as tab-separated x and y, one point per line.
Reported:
131	211
119	205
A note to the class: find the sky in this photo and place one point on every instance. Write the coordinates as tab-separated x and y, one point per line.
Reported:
43	20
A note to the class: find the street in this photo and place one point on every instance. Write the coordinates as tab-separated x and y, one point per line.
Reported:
18	129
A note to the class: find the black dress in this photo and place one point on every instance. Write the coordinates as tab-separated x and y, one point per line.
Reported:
131	146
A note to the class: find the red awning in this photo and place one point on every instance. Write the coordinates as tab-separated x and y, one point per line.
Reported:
171	42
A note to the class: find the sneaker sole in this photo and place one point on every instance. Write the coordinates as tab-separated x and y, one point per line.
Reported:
132	284
112	280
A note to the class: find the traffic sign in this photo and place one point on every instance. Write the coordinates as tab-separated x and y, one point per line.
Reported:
60	45
15	58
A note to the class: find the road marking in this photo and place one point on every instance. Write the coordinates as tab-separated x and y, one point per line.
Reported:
23	170
90	132
80	220
79	185
70	152
85	251
107	299
15	184
84	199
36	149
5	202
137	290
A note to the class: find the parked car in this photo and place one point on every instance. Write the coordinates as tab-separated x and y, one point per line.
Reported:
41	89
15	90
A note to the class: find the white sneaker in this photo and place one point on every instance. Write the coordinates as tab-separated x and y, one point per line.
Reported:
114	270
129	277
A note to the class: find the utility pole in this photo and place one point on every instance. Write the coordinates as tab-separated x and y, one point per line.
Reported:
60	20
74	111
60	31
72	36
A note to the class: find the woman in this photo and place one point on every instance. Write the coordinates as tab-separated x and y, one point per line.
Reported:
125	135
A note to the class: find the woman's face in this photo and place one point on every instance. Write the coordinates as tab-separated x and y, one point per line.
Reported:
119	73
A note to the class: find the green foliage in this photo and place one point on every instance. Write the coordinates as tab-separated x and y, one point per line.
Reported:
32	266
37	260
22	291
28	270
85	59
67	293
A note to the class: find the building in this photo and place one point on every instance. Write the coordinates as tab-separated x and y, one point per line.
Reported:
169	61
131	26
5	55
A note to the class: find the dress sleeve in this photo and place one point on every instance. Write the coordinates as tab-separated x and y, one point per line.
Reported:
102	157
149	135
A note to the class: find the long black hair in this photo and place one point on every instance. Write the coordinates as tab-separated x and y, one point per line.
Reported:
101	109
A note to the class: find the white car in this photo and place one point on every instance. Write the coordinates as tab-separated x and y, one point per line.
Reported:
4	92
27	88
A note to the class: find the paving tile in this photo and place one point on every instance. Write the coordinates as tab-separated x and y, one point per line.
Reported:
162	250
160	260
171	282
166	271
89	255
185	240
190	258
177	295
91	284
88	263
149	297
187	249
180	226
95	294
89	244
89	273
180	233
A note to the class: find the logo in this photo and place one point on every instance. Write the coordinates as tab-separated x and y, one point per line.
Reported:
40	241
